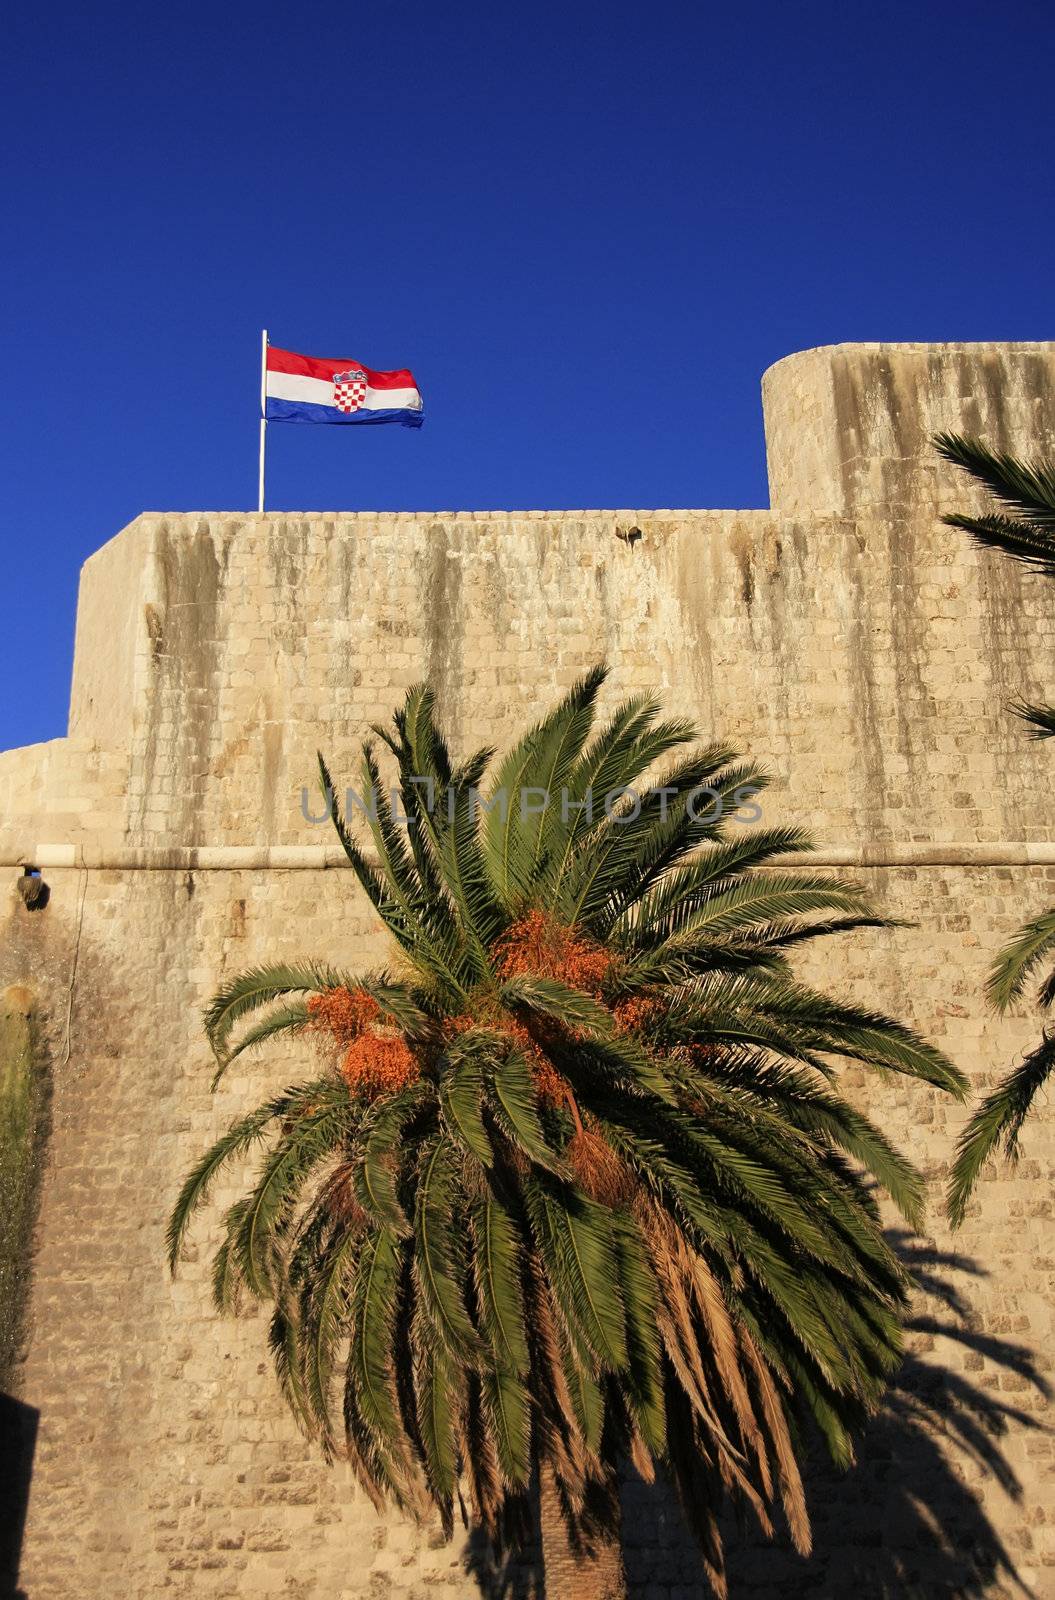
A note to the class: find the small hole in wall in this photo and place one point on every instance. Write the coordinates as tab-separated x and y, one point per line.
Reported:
34	891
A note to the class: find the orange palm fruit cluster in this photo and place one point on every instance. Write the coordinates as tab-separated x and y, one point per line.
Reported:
342	1013
373	1065
371	1062
536	945
636	1011
539	946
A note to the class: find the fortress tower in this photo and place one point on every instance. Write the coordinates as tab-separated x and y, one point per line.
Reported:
861	650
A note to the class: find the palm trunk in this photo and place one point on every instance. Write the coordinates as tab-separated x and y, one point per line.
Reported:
577	1565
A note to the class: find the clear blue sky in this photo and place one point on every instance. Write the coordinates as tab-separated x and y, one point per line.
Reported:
587	228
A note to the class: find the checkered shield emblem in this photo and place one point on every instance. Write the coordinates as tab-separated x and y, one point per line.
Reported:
349	389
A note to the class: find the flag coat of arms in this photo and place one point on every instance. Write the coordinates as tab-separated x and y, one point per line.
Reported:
311	389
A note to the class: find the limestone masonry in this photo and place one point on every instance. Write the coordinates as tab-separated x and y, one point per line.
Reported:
862	651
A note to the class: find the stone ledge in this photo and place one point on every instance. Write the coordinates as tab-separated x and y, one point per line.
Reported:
320	858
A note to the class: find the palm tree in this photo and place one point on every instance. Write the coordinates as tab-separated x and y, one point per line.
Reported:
1027	491
574	1185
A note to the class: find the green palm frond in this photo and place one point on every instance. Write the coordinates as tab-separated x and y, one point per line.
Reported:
437	1404
402	1006
755	898
441	803
324	1316
548	997
425	744
574	1237
996	1124
640	1297
586	1396
284	1342
1024	530
465	871
1026	488
283	1177
462	1098
1034	547
240	1138
618	1058
646	833
516	1112
1046	992
377	1172
257	987
373	1308
624	748
669	830
426	916
1012	968
497	1261
507	1404
1041	718
290	1018
438	1262
818	1112
841	1029
515	835
628	747
436	901
370	879
720	862
521	833
779	936
226	1277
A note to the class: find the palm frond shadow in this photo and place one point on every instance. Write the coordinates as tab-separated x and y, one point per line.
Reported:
908	1522
512	1576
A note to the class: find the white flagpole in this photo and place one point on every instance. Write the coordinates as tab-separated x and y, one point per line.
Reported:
263	414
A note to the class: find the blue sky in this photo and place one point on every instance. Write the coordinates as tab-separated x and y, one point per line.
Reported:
587	228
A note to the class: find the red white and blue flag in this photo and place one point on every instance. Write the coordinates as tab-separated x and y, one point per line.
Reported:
310	389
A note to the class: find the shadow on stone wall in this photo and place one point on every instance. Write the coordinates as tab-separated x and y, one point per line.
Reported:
904	1524
513	1577
18	1439
25	1127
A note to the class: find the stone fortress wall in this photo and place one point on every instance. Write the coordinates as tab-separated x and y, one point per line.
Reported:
861	650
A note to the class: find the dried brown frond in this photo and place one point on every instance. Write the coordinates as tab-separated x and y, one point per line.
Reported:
723	1340
698	1486
340	1198
674	1320
559	1438
641	1457
480	1464
687	1281
792	1493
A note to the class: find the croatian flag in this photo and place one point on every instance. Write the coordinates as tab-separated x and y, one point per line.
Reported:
308	389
